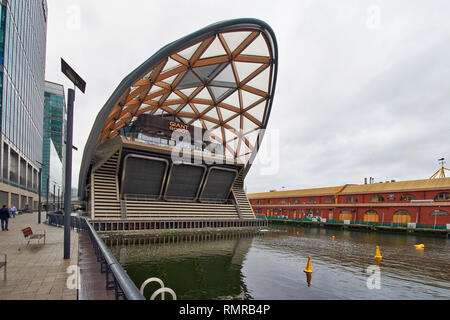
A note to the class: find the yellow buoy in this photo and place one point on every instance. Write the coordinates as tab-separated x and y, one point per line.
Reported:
333	237
419	246
378	253
308	266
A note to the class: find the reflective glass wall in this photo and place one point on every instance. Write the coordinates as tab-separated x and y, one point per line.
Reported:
23	33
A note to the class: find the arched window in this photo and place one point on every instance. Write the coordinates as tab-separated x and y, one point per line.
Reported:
351	199
377	198
312	200
283	201
401	216
345	215
371	216
295	201
442	196
407	197
439	213
329	200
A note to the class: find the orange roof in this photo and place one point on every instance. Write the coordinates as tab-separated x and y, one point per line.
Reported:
400	186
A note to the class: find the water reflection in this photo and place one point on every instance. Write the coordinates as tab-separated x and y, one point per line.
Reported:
205	266
270	265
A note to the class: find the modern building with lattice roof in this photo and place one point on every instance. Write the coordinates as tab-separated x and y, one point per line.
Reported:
207	97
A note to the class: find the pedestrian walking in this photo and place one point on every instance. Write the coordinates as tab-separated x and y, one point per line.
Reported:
13	211
4	216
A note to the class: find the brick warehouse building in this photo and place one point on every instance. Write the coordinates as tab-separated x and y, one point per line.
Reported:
424	202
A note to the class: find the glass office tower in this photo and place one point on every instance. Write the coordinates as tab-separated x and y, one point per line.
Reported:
55	120
23	35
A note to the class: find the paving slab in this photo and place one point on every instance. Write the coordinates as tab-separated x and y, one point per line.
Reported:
37	271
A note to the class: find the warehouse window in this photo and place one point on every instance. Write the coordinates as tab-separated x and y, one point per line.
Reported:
329	200
439	213
312	200
377	198
351	199
442	196
407	197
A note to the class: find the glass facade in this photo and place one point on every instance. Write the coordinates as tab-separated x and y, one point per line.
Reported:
55	120
23	33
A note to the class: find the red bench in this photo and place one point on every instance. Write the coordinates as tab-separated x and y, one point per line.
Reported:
28	235
3	265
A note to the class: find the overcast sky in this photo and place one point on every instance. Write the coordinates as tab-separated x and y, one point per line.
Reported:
363	86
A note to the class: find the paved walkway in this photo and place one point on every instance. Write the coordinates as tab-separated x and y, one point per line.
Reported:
92	281
37	271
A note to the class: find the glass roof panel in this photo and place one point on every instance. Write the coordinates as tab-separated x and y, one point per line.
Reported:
244	69
173	96
226	114
189	52
154	89
209	125
252	137
249	98
197	124
244	148
201	107
214	50
257	48
234	39
233	100
206	73
261	81
174	107
225	78
188	92
187	109
186	120
218	132
170	80
228	153
219	93
204	94
212	114
257	112
235	123
248	125
171	64
189	80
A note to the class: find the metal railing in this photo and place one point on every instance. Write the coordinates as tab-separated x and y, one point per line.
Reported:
362	223
116	277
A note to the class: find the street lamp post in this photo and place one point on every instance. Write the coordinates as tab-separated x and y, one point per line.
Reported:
40	191
81	84
48	187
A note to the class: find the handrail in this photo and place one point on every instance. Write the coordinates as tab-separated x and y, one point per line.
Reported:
122	284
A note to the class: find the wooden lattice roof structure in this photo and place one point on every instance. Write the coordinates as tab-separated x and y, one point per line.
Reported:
221	78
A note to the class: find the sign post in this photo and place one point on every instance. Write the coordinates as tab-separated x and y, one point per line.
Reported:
81	84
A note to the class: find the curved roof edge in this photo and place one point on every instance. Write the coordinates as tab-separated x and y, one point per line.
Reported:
227	25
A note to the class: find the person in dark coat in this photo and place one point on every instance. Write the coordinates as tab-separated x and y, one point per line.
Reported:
4	216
